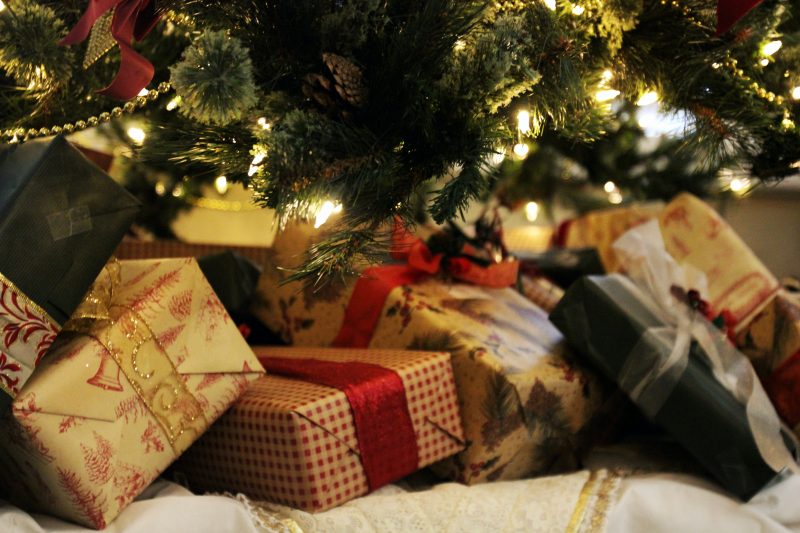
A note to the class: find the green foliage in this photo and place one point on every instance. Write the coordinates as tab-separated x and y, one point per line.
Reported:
214	78
29	50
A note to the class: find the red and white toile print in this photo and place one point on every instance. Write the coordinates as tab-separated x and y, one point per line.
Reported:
26	332
80	428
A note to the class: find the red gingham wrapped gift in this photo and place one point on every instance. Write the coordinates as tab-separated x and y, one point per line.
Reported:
297	443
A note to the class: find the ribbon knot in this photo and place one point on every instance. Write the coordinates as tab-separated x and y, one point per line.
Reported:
132	19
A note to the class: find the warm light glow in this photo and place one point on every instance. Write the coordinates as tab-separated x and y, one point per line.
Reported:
161	189
2	5
264	124
606	95
739	184
178	191
221	184
524	121
787	123
578	10
143	92
607	75
771	47
610	187
257	159
174	103
460	45
715	66
325	211
531	211
137	135
550	4
796	93
650	97
615	198
498	157
521	149
764	62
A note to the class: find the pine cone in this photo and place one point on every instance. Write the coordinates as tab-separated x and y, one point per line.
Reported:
349	79
340	89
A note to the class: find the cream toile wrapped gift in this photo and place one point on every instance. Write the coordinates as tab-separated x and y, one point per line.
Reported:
148	361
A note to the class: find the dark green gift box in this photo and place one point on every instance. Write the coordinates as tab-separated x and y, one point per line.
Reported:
61	218
604	319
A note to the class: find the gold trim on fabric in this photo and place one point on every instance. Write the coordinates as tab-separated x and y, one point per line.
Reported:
33	305
591	511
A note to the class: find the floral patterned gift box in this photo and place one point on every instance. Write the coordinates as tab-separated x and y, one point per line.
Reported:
150	361
525	405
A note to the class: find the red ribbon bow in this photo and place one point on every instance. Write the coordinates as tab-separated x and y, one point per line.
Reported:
373	287
730	11
133	19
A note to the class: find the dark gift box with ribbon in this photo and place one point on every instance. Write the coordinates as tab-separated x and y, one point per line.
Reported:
328	425
60	219
676	366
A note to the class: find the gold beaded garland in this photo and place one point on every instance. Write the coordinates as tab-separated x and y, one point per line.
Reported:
21	134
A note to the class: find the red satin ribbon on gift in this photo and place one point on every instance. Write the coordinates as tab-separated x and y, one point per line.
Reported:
783	388
373	287
386	439
132	19
730	11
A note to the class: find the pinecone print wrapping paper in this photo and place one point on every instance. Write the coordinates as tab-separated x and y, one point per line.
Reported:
91	428
525	405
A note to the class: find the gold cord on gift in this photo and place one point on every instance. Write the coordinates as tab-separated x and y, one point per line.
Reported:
12	135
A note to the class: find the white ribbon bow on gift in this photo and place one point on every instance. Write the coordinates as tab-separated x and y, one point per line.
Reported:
647	262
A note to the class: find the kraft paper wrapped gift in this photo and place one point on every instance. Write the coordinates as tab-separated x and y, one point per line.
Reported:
526	406
145	365
381	415
60	219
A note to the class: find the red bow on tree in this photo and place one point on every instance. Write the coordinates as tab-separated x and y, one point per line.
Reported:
730	11
132	19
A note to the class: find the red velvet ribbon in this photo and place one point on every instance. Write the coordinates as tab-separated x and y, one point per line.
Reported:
376	283
133	19
730	11
783	388
386	439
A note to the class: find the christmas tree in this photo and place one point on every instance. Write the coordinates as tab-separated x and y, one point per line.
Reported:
367	102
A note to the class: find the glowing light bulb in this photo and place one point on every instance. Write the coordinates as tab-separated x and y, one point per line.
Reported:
550	4
178	191
137	135
161	189
606	95
324	213
796	93
650	97
607	75
610	187
174	103
521	150
524	121
459	45
715	66
221	184
264	124
771	47
531	211
578	10
615	198
739	185
257	159
764	62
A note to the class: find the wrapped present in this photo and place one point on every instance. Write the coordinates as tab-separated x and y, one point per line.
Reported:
738	282
541	291
772	342
329	425
679	369
60	219
150	361
526	407
563	266
599	229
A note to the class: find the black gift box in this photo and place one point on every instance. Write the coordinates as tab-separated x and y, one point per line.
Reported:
61	218
563	266
603	319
